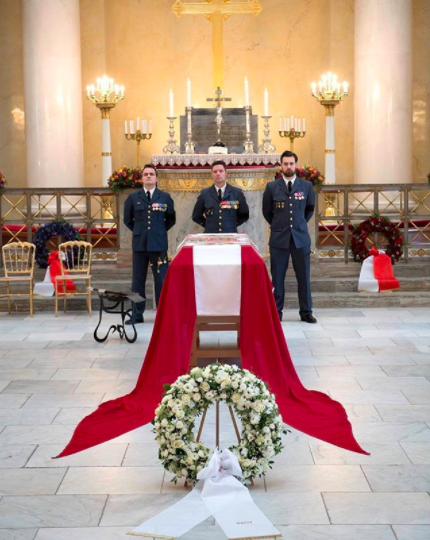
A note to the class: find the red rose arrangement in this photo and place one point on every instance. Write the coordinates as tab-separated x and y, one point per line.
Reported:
308	173
125	178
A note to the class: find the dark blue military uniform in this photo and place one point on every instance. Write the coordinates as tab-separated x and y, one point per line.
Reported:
149	222
288	214
223	216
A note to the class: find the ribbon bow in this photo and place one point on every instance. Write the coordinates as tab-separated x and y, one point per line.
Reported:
221	463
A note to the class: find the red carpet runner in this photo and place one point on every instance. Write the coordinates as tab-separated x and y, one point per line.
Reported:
264	352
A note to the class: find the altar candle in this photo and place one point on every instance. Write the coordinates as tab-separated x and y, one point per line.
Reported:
144	127
92	90
88	90
171	103
150	127
122	91
248	129
125	127
116	89
246	93
137	124
292	121
345	87
266	102
188	92
304	125
287	127
131	127
295	124
298	125
314	88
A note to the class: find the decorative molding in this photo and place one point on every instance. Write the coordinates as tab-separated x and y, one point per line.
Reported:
193	182
104	256
419	252
196	160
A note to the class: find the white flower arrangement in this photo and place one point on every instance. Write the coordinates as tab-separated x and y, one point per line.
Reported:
190	395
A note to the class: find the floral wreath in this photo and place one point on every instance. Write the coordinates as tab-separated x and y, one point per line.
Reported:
125	178
381	225
45	232
190	395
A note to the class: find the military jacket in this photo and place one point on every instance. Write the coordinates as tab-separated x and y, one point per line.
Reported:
149	221
288	213
224	216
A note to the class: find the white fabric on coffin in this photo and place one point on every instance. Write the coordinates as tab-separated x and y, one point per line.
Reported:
217	277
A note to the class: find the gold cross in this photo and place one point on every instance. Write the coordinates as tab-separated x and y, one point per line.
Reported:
217	11
218	92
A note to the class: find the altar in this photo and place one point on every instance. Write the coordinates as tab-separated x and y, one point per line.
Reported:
185	175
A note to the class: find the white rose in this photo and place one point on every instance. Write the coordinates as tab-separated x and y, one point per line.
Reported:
180	414
164	422
178	444
201	454
185	399
179	425
197	397
236	398
205	386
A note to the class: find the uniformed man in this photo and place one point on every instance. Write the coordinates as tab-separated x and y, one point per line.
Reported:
222	207
288	204
149	213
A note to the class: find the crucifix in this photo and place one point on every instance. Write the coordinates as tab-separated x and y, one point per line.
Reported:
217	11
218	99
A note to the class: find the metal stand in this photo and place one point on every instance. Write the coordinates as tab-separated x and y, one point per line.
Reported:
116	299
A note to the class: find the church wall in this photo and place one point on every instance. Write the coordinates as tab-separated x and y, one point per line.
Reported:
145	47
12	127
421	90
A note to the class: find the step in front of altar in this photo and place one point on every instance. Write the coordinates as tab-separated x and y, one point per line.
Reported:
333	285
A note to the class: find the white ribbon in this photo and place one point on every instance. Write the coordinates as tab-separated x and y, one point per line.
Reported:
45	287
217	493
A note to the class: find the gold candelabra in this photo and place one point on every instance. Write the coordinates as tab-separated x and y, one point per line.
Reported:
329	92
138	135
105	96
292	128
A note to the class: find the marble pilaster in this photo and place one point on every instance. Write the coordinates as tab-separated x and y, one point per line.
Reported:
383	91
53	93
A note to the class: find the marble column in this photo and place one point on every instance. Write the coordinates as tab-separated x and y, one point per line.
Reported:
53	93
383	91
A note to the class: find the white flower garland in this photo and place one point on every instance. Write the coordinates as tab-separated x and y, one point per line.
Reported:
190	395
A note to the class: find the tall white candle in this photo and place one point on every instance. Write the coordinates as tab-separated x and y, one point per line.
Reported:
248	129
88	90
345	87
171	103
304	125
122	91
292	121
266	102
188	92
131	127
299	125
280	124
287	127
144	127
314	88
246	93
125	127
137	124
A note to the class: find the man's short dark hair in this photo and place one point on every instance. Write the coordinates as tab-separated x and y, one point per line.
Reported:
219	162
150	166
287	153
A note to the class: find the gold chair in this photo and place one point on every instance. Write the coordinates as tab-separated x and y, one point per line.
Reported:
76	259
18	261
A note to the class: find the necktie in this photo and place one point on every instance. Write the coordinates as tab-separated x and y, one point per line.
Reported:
290	186
219	194
148	196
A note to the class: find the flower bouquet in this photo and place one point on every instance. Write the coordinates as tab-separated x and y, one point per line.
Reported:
125	178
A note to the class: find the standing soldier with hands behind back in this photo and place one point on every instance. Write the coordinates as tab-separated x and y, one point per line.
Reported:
220	208
149	214
288	204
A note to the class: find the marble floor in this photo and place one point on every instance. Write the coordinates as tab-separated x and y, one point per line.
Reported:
375	361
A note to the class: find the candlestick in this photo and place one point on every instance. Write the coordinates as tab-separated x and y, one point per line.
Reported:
267	145
189	143
293	131
138	136
248	145
171	146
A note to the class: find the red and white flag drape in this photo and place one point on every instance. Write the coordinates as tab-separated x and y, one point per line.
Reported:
376	273
263	349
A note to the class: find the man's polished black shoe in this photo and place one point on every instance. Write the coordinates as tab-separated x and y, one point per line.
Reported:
135	321
308	318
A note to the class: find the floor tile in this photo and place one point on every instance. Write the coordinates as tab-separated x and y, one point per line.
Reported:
412	532
111	455
14	456
398	478
30	481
